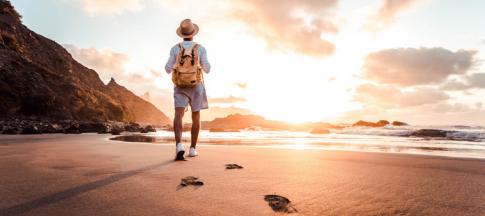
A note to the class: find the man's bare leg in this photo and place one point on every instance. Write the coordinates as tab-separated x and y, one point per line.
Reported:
177	123
195	128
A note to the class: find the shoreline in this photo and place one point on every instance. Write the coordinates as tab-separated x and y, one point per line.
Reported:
91	175
297	147
307	147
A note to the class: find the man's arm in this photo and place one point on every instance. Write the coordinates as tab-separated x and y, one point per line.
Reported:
203	60
171	60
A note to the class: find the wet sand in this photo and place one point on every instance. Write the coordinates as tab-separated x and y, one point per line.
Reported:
89	174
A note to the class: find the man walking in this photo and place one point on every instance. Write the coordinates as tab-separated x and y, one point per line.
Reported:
187	62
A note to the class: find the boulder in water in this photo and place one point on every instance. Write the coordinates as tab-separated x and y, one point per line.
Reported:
73	129
399	123
31	129
106	129
363	124
148	129
93	127
116	131
11	130
133	127
429	133
51	128
380	123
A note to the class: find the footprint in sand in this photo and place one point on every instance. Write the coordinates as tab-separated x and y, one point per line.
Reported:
279	204
190	180
233	166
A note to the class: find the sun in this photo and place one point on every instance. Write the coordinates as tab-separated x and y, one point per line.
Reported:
300	103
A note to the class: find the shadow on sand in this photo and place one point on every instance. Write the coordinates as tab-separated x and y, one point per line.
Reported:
71	192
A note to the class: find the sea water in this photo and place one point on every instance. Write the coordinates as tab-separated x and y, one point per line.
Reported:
461	141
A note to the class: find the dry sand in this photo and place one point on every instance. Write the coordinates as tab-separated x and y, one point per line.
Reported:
91	175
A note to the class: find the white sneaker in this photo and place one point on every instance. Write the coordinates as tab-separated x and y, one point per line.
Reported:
179	151
192	152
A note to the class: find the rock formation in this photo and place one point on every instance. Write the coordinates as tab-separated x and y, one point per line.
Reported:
40	80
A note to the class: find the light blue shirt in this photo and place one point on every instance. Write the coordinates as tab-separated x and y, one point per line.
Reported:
204	63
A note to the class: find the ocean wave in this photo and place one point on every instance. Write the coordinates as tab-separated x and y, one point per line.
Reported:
478	136
460	133
383	131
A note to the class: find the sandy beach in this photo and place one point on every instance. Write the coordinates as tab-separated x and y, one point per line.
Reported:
89	174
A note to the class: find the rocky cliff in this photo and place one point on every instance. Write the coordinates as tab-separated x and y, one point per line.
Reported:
134	106
39	79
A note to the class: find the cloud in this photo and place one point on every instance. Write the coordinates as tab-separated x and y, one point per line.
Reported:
241	85
103	61
230	99
290	25
386	14
469	81
392	96
94	7
476	80
110	64
454	85
411	66
155	73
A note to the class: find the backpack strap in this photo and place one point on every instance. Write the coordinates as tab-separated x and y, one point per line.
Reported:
181	54
194	48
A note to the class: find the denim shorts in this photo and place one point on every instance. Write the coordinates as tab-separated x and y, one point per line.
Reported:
195	96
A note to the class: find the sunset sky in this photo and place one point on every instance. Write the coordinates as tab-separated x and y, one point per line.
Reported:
419	61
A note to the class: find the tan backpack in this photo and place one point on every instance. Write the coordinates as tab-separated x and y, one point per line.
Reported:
187	71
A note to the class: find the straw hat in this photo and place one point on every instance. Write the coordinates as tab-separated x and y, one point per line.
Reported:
187	29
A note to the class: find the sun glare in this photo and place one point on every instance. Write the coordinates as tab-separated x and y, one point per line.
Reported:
299	103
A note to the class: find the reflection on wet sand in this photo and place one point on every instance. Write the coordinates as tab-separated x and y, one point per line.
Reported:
298	141
135	138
